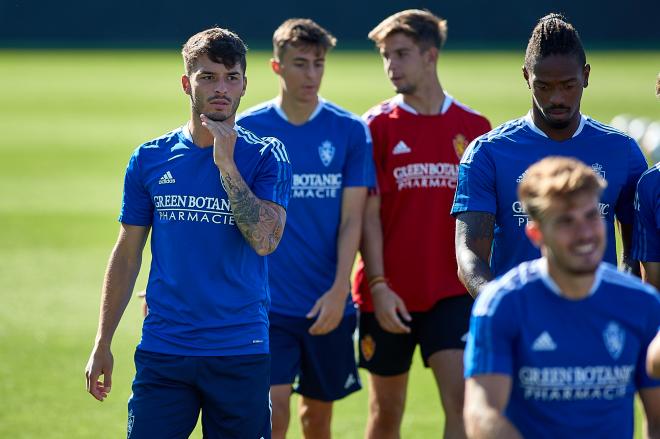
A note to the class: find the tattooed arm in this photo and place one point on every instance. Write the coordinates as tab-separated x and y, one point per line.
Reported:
261	222
474	238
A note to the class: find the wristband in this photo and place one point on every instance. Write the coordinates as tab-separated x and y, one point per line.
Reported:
376	280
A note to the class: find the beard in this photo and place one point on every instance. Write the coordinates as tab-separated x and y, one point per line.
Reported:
406	89
198	104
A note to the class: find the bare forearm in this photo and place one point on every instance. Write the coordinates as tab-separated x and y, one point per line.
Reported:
371	247
628	264
474	237
348	241
490	424
260	222
118	284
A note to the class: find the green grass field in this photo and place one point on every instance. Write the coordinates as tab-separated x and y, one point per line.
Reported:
68	124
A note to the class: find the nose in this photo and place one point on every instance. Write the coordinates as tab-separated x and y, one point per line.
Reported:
221	87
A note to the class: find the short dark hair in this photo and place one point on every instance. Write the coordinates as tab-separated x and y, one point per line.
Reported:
301	32
553	35
222	46
426	29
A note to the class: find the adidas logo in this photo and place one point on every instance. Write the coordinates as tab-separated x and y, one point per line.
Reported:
167	178
349	381
401	148
544	343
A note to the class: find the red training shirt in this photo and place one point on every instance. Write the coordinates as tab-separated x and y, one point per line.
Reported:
416	159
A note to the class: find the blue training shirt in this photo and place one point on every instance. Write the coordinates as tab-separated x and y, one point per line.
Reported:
329	152
646	231
575	365
494	164
208	289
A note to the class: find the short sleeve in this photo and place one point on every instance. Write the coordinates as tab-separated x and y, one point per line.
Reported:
359	168
475	191
493	329
137	209
382	184
636	166
652	327
273	181
646	229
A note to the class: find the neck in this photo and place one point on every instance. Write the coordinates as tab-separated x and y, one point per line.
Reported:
200	135
572	286
557	134
297	112
427	98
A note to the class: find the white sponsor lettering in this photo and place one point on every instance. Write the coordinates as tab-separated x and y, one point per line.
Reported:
575	383
426	175
192	208
316	185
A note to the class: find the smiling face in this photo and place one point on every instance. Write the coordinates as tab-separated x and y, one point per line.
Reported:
214	89
300	68
557	83
571	234
405	63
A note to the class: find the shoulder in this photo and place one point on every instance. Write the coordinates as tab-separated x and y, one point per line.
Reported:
468	113
350	119
610	276
650	178
595	128
165	143
378	111
507	288
264	145
258	110
501	135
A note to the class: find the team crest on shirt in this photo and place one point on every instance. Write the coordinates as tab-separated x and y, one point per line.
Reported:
368	347
598	169
460	143
326	152
615	338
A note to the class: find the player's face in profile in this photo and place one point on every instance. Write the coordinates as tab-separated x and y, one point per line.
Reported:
404	62
557	82
215	89
573	234
301	71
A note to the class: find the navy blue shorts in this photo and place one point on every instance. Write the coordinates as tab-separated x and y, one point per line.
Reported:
318	366
169	391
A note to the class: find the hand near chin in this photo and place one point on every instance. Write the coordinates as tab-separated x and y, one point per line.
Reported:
224	140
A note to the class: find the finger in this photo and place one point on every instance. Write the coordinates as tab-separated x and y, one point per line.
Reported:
403	310
315	310
397	326
320	325
107	382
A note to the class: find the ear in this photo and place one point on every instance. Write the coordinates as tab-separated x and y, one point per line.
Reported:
533	232
275	66
585	74
432	54
526	76
244	86
185	84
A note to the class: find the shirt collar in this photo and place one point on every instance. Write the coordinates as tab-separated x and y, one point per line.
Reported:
542	265
530	123
399	102
278	109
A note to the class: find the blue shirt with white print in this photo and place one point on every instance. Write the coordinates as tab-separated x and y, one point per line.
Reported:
208	289
646	231
494	164
575	365
329	152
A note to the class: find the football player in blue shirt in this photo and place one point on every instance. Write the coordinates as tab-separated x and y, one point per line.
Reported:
213	195
646	231
556	346
312	315
490	220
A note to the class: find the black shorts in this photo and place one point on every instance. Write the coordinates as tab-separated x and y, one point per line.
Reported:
444	326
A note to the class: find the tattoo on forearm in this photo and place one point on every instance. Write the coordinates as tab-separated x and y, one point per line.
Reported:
474	238
260	222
